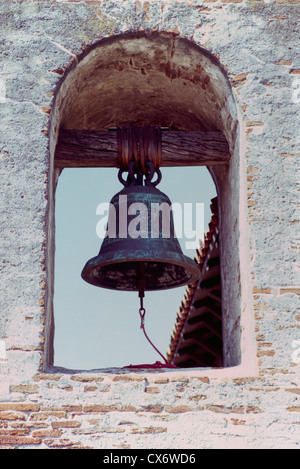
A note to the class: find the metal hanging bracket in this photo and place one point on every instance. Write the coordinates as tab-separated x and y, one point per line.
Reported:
140	145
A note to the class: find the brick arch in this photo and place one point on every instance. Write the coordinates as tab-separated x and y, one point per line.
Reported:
145	79
165	80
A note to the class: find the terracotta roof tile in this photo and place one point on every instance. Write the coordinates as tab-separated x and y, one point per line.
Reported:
201	340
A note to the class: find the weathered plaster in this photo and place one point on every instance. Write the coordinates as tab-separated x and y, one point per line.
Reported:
257	44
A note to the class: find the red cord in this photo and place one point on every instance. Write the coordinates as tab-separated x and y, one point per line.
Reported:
142	312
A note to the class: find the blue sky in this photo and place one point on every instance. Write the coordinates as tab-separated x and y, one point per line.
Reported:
99	328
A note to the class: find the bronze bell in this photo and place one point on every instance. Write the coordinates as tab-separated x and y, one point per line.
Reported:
140	251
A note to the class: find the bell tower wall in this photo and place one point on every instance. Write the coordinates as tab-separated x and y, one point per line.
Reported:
229	67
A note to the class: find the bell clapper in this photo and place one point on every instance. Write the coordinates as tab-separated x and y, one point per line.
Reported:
141	288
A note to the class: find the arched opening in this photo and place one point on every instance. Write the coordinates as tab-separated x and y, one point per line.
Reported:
165	81
100	328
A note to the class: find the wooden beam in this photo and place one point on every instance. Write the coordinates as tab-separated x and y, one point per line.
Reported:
93	148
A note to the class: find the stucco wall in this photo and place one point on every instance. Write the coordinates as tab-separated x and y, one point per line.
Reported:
255	406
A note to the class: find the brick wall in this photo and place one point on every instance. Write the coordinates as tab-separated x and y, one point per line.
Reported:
163	410
257	44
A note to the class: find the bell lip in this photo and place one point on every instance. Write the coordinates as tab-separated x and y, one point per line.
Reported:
100	260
